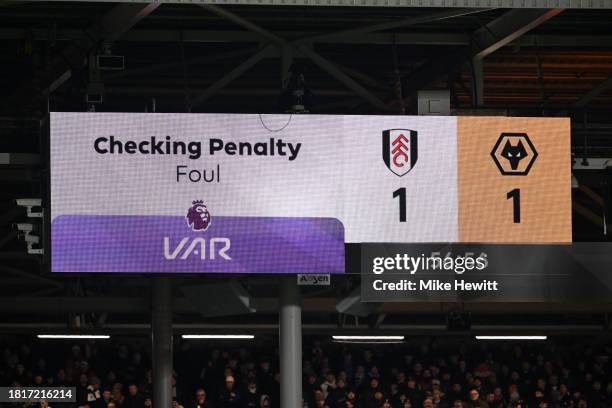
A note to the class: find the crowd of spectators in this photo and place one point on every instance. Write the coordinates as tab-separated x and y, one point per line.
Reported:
432	374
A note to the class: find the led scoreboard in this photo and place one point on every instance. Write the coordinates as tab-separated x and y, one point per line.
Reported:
168	192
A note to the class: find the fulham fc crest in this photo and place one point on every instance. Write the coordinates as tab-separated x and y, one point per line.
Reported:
399	149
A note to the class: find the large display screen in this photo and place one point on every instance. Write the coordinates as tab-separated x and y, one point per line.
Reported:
168	192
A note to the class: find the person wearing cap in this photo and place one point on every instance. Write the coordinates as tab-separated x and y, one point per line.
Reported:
230	396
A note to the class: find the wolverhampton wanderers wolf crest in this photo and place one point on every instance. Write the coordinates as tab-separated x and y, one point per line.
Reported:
399	150
514	154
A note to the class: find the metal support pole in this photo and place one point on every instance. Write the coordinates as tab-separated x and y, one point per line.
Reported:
477	83
161	336
286	62
290	343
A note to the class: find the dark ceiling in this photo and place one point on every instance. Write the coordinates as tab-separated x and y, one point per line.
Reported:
181	50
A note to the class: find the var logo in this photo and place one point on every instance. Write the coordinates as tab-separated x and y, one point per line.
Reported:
211	248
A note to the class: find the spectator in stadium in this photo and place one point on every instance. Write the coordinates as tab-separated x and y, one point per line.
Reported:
133	399
456	392
117	393
81	390
428	403
93	392
413	393
498	400
475	400
252	395
338	396
438	399
373	395
105	400
230	396
548	376
201	399
329	384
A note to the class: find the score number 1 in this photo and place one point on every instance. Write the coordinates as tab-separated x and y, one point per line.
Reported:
515	195
401	193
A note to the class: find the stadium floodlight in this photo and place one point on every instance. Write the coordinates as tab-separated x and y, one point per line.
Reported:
511	337
219	336
73	336
368	339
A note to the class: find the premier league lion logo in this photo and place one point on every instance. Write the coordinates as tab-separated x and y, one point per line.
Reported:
198	217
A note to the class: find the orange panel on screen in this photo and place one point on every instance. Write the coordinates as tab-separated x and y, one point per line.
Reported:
514	179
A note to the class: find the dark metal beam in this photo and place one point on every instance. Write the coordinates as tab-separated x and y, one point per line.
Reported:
107	29
206	59
5	269
588	214
175	91
593	93
509	27
142	305
232	75
521	4
432	70
10	236
228	15
498	33
399	38
350	83
262	329
11	215
286	63
366	79
389	25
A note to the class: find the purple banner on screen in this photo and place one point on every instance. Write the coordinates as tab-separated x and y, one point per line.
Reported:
91	243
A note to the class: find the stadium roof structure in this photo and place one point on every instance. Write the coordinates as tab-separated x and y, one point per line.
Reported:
533	61
208	58
575	4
